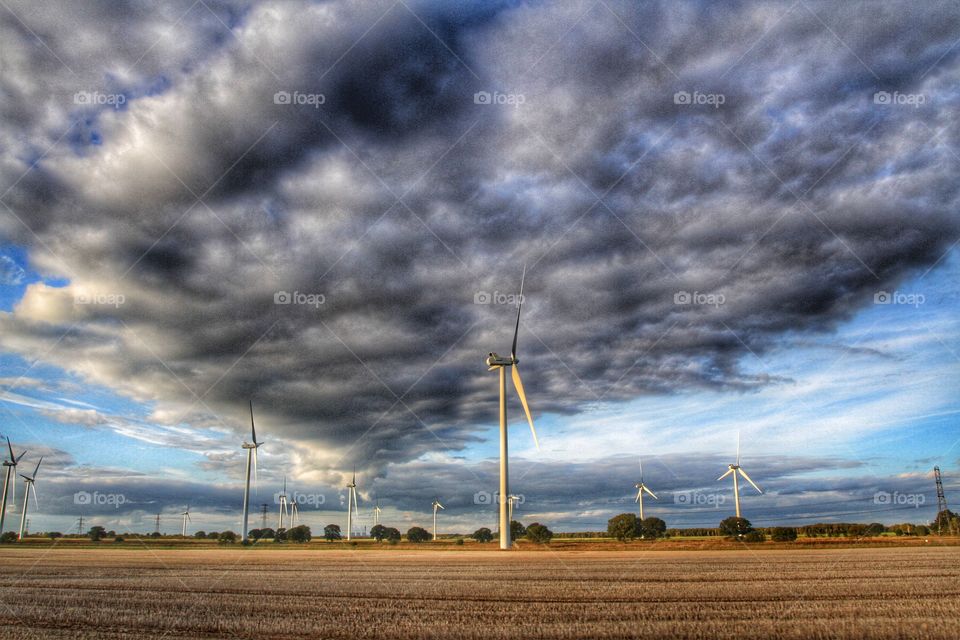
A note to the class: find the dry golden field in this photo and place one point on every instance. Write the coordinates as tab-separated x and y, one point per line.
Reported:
56	592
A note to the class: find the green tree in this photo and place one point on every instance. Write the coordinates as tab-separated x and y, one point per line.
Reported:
735	527
393	535
300	534
53	535
517	530
199	535
9	536
945	522
754	536
652	527
538	533
213	535
623	527
378	532
331	532
418	534
783	534
482	534
227	537
97	533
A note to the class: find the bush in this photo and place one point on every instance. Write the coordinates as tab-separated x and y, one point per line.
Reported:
418	534
331	532
623	527
753	536
482	535
227	537
459	542
783	534
118	539
538	533
8	537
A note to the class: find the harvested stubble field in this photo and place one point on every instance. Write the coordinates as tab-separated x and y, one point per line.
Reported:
238	593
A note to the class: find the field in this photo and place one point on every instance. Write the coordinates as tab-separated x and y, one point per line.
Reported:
56	592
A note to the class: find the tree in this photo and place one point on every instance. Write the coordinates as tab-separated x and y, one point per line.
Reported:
945	522
923	530
623	527
331	532
155	534
754	536
538	533
9	536
378	532
255	534
735	527
213	535
53	535
783	534
267	533
393	535
97	533
227	537
482	535
280	535
200	535
517	530
652	527
418	534
300	534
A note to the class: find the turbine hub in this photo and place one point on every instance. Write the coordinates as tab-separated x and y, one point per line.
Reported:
495	360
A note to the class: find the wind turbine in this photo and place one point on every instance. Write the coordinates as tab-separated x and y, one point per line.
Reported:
27	488
735	469
376	513
351	503
11	465
495	361
511	500
251	448
294	513
436	505
186	516
641	488
283	504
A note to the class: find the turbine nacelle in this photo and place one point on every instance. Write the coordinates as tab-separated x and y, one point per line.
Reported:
495	360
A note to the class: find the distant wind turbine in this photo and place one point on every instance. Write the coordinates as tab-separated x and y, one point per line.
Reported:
186	517
436	505
351	503
511	500
283	504
28	488
376	513
251	448
11	465
735	469
501	363
641	489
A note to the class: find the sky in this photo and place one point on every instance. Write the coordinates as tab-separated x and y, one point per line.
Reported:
733	221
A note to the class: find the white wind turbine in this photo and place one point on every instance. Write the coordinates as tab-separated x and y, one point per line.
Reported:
376	513
641	489
351	503
501	363
735	469
511	500
282	498
186	517
27	489
251	448
436	505
11	465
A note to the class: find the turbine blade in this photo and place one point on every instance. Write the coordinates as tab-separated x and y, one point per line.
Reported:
738	448
518	384
37	468
253	428
639	492
729	471
256	473
13	458
652	494
641	470
36	502
747	478
516	330
19	457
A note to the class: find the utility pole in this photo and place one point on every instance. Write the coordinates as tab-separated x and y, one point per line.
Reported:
263	515
80	525
941	503
157	529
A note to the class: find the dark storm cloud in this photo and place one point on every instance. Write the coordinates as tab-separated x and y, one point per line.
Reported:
402	200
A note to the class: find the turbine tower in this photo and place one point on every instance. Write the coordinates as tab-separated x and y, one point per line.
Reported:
376	513
351	503
511	500
735	469
436	505
251	448
501	363
28	487
186	517
641	488
11	465
283	504
294	513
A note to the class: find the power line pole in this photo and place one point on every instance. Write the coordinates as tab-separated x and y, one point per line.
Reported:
80	525
263	515
157	529
941	502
